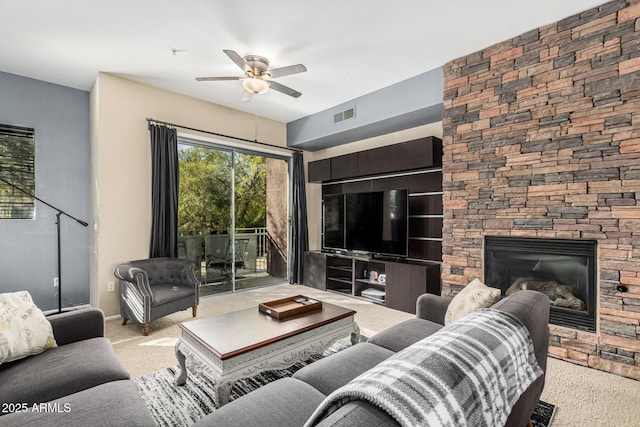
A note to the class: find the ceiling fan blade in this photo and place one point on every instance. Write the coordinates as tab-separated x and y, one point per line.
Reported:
216	79
239	60
284	89
285	71
246	96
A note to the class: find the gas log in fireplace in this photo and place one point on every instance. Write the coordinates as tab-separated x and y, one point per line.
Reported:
564	270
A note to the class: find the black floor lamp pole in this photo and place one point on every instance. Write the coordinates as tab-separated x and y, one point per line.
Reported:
59	264
60	212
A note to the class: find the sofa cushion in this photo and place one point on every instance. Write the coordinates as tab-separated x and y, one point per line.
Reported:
24	330
474	296
404	334
286	402
163	294
117	403
60	371
331	373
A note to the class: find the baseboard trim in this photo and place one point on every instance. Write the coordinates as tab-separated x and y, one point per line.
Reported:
115	316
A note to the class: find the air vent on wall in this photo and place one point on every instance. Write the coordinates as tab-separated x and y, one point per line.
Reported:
347	114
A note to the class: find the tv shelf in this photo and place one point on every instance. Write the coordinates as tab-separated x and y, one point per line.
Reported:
367	283
404	281
416	169
339	275
412	165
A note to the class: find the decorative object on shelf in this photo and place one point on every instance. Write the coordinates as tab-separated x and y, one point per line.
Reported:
374	294
364	274
373	276
382	279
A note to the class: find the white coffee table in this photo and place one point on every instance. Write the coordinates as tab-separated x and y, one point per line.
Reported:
243	343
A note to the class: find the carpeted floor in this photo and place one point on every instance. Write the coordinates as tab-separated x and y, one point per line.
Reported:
582	395
193	401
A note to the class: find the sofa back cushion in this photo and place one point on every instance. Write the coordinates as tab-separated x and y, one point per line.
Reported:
24	330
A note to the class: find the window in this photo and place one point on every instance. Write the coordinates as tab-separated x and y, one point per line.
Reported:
233	215
17	172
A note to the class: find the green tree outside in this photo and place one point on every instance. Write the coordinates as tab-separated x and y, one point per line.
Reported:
204	200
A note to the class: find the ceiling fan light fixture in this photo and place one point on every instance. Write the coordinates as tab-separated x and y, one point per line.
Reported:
255	85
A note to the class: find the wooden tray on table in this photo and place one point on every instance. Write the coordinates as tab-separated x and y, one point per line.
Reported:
290	306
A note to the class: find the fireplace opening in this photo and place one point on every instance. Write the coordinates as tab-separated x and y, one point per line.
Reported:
564	270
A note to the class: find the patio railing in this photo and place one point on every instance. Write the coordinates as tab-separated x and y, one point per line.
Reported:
206	246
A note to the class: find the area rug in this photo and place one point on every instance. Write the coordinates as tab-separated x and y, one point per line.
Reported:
171	405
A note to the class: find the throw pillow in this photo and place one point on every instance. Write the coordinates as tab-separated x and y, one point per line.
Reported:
474	296
24	330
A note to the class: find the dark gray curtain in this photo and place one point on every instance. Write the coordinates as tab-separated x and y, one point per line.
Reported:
299	230
164	191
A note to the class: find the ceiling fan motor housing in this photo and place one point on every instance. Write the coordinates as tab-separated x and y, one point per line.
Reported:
258	64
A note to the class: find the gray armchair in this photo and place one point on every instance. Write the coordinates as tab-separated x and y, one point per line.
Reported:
156	287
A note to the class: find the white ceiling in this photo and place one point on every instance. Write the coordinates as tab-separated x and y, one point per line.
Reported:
350	48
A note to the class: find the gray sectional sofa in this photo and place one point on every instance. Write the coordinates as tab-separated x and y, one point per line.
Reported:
291	401
80	382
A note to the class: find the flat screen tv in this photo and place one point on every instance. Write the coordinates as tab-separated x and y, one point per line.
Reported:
333	222
372	222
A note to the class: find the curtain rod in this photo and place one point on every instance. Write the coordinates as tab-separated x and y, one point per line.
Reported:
150	121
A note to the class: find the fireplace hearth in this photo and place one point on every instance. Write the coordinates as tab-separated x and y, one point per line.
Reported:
564	270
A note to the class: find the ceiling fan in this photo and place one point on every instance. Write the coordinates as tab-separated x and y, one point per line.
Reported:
258	75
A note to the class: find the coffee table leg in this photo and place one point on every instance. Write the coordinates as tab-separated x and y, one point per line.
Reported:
181	375
355	335
223	390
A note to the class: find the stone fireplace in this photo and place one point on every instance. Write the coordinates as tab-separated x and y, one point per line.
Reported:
564	270
541	138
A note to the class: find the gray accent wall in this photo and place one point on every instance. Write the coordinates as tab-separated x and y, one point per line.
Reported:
60	117
410	103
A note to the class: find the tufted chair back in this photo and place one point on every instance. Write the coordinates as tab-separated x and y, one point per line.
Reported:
164	271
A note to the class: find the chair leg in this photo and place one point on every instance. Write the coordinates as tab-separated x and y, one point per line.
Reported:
124	321
145	329
194	310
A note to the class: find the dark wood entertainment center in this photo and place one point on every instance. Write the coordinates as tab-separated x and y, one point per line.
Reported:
415	165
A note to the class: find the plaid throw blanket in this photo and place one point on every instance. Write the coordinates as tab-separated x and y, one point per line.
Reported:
469	373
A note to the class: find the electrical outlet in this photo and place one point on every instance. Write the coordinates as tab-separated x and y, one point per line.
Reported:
56	282
111	286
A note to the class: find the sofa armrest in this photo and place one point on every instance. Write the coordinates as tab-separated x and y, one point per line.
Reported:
432	307
532	308
77	325
189	278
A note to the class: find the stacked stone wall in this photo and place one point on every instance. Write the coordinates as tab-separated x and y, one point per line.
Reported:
542	139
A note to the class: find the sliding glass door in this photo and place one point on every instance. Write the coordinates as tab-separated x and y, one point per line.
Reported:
233	216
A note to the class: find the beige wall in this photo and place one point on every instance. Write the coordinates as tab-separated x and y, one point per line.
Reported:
121	166
314	191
